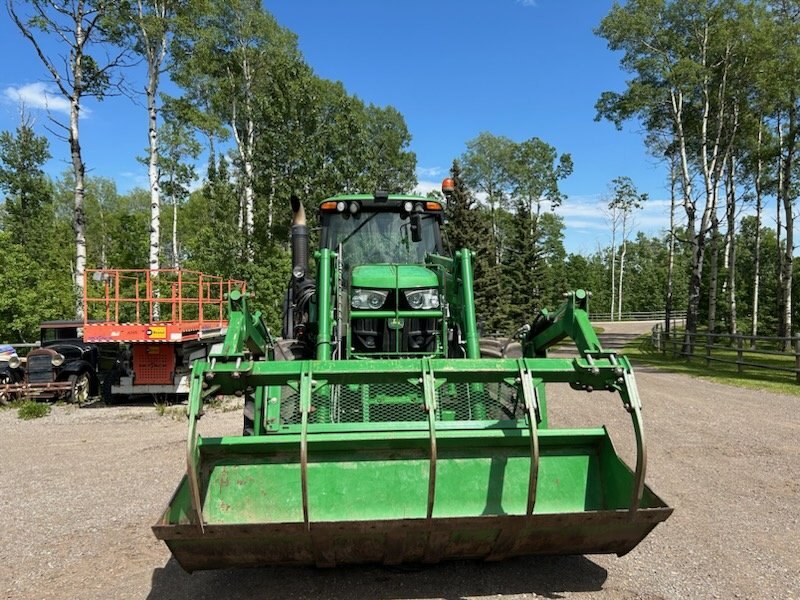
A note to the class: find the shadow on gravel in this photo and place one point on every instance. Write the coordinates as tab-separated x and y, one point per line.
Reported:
547	576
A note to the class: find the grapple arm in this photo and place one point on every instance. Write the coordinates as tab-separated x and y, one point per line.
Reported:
247	331
570	320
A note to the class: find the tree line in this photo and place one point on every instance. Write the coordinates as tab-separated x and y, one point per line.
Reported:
715	85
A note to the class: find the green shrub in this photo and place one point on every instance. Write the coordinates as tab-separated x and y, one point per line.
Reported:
32	410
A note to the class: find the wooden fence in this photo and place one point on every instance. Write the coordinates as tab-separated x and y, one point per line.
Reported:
740	350
657	315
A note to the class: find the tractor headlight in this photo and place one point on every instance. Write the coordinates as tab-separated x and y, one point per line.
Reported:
57	360
423	299
369	299
14	362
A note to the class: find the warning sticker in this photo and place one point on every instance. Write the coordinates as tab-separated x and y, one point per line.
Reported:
157	333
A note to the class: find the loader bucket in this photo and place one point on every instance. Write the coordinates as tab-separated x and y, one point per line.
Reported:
399	468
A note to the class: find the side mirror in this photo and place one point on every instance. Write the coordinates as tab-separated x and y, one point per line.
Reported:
416	227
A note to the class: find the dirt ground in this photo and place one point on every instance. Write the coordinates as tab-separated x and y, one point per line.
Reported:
80	488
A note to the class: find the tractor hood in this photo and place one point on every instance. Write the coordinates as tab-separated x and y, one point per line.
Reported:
392	277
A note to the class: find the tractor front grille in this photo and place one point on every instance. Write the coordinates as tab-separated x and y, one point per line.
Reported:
375	337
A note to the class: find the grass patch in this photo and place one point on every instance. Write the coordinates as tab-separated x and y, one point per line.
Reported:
641	350
30	409
175	413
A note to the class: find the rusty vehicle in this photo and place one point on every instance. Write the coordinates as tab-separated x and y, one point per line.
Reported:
63	367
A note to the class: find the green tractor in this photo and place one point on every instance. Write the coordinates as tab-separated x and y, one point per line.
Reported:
376	429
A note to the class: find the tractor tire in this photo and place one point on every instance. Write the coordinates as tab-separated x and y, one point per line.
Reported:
249	412
80	386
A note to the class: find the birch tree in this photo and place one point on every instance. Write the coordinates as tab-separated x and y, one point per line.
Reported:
177	174
152	23
625	200
225	59
682	56
77	47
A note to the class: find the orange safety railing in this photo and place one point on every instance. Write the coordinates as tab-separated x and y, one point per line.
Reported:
166	296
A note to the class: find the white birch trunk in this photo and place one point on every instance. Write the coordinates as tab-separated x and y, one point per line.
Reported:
622	263
79	217
244	136
788	214
757	257
731	249
671	247
176	261
152	172
155	51
613	260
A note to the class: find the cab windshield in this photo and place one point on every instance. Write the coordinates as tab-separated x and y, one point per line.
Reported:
380	238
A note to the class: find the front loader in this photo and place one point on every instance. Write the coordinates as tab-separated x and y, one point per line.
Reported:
376	430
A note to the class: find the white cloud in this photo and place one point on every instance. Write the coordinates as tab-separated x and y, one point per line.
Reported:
527	2
423	187
588	213
429	172
137	179
40	96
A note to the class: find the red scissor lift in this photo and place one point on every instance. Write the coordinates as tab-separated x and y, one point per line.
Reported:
162	320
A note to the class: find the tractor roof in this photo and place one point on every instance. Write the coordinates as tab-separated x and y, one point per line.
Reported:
371	197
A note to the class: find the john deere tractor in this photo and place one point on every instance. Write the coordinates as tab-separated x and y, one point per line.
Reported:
376	428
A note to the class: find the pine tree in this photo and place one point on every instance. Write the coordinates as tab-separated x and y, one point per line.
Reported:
469	226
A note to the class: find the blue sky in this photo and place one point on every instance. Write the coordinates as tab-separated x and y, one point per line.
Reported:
453	68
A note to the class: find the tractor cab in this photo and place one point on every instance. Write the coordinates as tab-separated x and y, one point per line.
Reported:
390	296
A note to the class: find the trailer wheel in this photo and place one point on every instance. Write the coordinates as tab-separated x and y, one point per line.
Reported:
80	385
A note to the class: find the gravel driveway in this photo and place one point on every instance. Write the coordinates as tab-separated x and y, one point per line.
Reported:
80	488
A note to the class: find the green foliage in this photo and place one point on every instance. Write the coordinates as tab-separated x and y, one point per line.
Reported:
268	278
210	232
34	269
469	226
28	192
30	409
32	291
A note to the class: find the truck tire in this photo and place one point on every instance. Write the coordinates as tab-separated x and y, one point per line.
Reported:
80	386
6	398
111	378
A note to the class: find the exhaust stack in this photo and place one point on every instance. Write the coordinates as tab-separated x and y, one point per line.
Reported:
299	240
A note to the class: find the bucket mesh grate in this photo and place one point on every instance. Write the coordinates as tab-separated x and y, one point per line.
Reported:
471	401
390	402
357	403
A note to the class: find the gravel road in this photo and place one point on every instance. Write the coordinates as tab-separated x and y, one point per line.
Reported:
80	488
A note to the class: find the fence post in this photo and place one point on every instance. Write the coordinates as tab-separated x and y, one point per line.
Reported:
739	345
797	360
709	341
